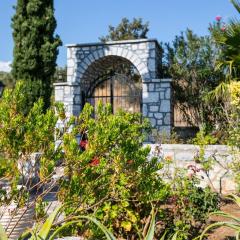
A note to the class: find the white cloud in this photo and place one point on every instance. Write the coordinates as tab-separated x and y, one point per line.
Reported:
5	66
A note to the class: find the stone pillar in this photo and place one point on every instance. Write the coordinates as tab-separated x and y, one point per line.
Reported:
69	94
157	104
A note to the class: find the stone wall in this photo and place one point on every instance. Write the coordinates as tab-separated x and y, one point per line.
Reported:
220	177
84	65
157	103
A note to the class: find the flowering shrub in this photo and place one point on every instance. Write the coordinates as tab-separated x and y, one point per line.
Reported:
187	208
109	173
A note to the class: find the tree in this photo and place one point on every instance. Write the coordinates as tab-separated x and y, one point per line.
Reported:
226	37
190	61
35	46
7	79
127	30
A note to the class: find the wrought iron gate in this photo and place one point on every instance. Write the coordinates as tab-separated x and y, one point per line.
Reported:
121	91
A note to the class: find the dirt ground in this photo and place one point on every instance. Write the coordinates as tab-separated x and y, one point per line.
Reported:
224	233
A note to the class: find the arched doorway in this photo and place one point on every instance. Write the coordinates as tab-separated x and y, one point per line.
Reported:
113	80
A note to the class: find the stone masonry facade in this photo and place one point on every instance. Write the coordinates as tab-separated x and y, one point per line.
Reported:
84	64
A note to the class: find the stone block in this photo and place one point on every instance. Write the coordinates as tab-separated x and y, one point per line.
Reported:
168	93
151	87
69	53
70	71
91	57
152	53
114	50
151	64
152	97
59	95
165	85
77	99
145	87
70	63
167	119
145	110
165	106
142	46
134	47
159	122
151	45
85	48
162	95
67	90
154	108
153	121
184	156
158	115
100	53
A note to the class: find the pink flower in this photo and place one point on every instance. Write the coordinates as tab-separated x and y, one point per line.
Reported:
218	18
223	28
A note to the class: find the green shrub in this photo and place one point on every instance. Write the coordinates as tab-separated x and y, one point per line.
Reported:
188	206
25	131
111	175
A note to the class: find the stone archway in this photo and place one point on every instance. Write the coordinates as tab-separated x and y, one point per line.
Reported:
115	80
144	54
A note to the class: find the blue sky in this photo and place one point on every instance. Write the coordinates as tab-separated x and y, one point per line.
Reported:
82	21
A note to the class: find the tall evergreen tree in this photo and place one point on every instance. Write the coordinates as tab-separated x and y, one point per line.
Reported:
35	47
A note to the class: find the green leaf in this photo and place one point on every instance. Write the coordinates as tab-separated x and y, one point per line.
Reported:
107	233
163	236
126	225
150	233
45	229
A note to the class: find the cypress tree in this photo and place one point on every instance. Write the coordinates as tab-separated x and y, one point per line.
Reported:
35	47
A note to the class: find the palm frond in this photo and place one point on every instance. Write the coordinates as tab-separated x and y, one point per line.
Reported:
236	4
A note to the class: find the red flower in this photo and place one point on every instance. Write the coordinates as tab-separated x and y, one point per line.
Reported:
94	162
83	144
218	18
130	161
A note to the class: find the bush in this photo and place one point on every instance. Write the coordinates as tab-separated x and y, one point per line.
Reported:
25	131
110	175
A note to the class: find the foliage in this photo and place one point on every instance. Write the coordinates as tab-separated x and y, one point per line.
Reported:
189	204
228	60
127	30
190	61
7	79
6	167
233	223
35	49
60	74
227	38
110	175
45	232
234	127
23	132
